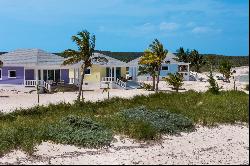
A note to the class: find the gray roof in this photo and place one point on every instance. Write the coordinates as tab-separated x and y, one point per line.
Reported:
39	58
30	57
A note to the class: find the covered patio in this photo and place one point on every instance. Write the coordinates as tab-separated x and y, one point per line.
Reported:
36	67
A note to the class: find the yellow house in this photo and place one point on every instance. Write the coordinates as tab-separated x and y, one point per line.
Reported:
100	73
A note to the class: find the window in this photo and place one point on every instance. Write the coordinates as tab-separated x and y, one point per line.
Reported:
87	71
164	68
0	74
11	73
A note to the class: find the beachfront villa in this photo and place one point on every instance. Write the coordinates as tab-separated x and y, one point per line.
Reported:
31	67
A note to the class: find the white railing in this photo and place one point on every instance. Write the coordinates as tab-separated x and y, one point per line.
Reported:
30	82
108	79
73	81
121	83
40	82
47	86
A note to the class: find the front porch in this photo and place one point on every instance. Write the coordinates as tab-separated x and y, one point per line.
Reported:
45	77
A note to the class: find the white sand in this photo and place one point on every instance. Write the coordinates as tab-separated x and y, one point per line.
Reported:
19	96
221	145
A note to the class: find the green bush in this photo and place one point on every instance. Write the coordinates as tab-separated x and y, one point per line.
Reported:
147	86
79	131
141	123
214	87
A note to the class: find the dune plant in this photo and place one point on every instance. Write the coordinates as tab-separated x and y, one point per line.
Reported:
225	69
176	80
213	85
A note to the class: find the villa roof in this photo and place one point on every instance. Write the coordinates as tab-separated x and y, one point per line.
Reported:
31	58
39	58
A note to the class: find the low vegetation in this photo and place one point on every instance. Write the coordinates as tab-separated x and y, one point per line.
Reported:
93	124
213	85
176	80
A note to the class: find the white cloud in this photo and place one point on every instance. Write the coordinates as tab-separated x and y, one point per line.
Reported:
190	24
205	29
169	26
145	28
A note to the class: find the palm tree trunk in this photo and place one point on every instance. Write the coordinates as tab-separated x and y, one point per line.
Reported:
153	87
158	80
81	82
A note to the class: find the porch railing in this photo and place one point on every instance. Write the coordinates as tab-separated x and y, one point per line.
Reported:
121	83
74	81
108	79
32	83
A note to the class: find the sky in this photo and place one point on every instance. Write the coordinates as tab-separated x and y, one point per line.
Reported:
209	26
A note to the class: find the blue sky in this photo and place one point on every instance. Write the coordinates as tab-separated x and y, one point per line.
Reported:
210	26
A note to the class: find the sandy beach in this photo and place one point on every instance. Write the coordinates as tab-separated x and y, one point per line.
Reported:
224	144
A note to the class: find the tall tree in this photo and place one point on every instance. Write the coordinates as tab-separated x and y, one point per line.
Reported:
160	52
182	55
211	61
225	69
196	60
148	65
86	45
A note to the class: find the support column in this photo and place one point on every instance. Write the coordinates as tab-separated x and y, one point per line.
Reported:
74	81
36	75
41	70
115	73
134	73
111	73
24	76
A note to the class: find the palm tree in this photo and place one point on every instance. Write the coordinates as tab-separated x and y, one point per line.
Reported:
160	52
176	80
196	60
148	65
225	69
182	55
84	54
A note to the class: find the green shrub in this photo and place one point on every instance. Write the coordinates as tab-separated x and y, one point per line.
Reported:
214	87
79	131
147	86
141	123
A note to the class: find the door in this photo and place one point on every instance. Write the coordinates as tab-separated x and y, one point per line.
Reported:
118	72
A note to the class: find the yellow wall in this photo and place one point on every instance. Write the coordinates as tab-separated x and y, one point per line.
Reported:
123	72
97	72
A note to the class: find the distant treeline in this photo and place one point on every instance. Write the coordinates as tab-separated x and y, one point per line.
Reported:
236	61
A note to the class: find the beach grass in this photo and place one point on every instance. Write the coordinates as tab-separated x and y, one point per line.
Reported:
141	117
